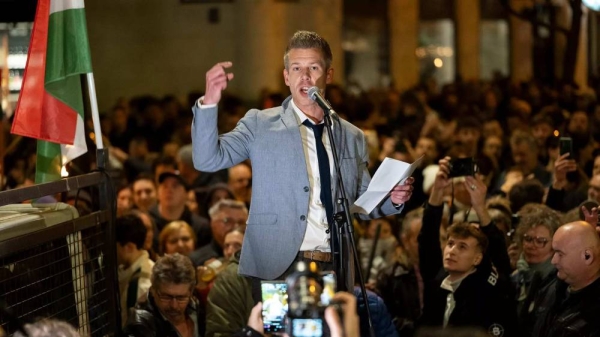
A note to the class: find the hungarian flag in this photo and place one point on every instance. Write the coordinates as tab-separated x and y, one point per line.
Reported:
50	106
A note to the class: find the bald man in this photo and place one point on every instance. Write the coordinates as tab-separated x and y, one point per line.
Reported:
571	305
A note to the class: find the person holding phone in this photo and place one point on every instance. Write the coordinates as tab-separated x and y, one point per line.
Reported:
345	326
562	195
466	284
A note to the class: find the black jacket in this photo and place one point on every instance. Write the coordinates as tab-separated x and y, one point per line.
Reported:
484	298
531	286
146	321
399	287
569	314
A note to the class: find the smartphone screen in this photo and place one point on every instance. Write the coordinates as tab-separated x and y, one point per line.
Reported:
307	327
329	287
566	146
274	305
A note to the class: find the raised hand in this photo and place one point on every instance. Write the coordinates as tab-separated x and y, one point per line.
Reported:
478	192
347	326
590	216
216	81
562	166
440	183
255	320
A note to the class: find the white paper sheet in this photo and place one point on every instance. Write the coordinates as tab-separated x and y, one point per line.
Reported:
390	173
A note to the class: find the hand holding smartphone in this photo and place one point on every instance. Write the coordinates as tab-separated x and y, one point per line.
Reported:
274	305
566	146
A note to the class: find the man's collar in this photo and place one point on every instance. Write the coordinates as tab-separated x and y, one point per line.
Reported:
301	115
453	285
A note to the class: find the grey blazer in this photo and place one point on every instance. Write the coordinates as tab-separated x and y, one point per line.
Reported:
280	187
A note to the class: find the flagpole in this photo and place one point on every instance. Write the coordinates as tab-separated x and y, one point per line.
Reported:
95	113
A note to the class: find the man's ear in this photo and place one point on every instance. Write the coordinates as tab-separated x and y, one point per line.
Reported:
130	247
478	258
286	77
588	257
329	78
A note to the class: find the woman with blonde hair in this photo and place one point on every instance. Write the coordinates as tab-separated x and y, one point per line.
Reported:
177	237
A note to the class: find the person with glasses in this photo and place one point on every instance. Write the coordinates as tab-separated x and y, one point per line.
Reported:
170	309
536	227
225	215
570	306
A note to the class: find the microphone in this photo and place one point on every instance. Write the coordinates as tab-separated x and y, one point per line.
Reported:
316	96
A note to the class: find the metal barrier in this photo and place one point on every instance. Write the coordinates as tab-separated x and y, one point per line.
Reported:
65	271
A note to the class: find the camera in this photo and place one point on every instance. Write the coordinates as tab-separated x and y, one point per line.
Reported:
460	167
309	292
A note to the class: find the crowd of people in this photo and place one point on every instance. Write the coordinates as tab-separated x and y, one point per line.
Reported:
506	250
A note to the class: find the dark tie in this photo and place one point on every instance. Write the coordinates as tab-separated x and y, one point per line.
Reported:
323	159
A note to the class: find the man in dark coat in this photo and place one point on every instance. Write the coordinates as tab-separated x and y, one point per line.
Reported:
571	306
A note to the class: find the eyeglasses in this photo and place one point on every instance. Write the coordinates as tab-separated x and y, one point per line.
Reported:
232	222
538	241
168	298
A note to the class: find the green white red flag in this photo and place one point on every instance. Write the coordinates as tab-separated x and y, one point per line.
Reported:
50	106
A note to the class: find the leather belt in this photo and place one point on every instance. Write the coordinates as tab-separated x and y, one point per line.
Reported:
316	255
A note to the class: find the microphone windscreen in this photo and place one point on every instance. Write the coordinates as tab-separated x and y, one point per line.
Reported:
312	91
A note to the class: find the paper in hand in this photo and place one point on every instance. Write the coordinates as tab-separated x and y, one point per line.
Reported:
390	173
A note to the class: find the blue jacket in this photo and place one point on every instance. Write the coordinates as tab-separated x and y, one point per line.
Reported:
382	321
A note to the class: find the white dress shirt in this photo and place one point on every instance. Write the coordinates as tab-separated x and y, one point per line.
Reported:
315	237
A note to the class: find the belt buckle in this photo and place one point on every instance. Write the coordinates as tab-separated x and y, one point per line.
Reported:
312	252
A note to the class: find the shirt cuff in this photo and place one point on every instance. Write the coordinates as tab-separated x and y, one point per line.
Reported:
201	106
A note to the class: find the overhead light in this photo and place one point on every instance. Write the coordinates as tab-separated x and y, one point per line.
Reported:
592	4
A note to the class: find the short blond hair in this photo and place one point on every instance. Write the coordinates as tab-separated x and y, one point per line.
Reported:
171	228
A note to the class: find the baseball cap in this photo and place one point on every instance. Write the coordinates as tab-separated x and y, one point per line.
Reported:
172	174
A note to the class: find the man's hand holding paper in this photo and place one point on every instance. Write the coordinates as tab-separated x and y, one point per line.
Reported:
393	178
402	192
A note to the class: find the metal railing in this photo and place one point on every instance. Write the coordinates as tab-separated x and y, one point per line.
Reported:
65	271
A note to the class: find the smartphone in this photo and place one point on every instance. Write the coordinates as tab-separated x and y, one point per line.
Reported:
566	146
329	287
307	327
274	305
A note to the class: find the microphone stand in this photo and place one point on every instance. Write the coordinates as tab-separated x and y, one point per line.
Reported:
343	228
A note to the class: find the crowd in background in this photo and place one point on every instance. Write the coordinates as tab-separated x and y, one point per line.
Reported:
165	206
